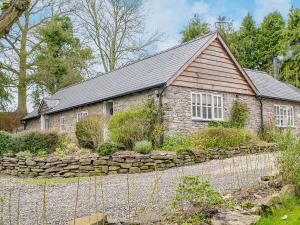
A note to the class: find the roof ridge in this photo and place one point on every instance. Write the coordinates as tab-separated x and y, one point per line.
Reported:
139	60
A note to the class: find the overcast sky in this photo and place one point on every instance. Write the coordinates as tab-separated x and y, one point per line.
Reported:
171	16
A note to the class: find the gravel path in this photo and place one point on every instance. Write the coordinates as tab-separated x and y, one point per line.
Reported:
149	194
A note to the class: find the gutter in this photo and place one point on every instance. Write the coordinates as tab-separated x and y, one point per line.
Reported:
160	105
261	113
96	101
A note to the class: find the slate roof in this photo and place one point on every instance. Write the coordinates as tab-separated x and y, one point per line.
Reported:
153	71
269	87
31	115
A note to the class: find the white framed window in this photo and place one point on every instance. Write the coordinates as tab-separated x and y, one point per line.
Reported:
45	123
62	123
207	106
81	115
284	115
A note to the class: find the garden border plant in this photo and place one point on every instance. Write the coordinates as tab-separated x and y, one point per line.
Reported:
138	123
31	143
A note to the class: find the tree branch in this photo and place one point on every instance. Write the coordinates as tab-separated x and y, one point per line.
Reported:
11	14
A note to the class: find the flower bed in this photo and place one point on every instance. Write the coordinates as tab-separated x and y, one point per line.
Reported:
120	162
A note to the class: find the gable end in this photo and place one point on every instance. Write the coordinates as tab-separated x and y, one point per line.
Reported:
214	68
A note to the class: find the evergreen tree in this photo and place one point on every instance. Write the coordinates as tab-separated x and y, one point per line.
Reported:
61	59
271	33
227	32
244	46
225	28
195	29
290	68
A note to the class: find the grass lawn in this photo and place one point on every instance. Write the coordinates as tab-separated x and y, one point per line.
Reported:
291	208
50	180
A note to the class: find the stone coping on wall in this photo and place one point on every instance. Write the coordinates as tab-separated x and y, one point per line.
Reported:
119	163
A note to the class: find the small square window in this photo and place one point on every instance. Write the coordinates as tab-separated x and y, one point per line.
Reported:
284	115
62	123
81	115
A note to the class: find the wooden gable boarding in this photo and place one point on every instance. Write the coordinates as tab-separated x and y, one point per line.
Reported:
215	69
43	107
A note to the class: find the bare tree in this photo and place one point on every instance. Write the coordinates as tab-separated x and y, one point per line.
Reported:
20	45
116	29
11	11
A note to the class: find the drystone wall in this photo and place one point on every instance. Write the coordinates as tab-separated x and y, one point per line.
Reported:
120	162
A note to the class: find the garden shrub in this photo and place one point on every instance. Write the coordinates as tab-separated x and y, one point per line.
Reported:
35	141
6	143
194	192
41	153
109	148
89	132
179	142
143	147
220	138
24	154
224	124
136	124
267	131
239	114
289	158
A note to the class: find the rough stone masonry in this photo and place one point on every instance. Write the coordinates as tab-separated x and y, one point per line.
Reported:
120	162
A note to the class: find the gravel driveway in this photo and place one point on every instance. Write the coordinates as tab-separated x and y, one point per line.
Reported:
145	196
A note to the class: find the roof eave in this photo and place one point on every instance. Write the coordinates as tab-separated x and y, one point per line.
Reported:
105	99
278	98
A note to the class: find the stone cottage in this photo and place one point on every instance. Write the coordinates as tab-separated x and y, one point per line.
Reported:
194	83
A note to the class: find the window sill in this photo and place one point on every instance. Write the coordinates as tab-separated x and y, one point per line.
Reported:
207	120
285	126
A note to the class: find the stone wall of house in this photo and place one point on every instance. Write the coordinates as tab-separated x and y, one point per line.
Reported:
33	124
71	118
120	162
133	99
177	107
178	113
269	113
93	109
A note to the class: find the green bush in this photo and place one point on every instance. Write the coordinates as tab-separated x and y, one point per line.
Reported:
289	158
239	114
224	124
197	193
267	132
35	141
136	124
220	138
179	142
143	147
89	132
6	143
109	148
24	155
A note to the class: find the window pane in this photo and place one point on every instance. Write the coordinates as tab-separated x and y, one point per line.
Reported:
193	99
198	111
198	105
204	99
219	113
215	100
204	112
209	100
219	101
209	114
198	100
215	112
194	110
